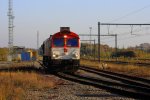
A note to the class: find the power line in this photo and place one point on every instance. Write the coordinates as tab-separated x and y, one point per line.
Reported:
122	24
125	33
128	37
135	30
131	13
37	40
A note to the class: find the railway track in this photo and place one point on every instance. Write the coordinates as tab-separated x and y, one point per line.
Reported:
119	77
121	89
127	86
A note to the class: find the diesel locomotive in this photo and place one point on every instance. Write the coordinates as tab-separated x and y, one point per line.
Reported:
61	51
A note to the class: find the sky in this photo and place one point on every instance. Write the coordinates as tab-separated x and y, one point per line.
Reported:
47	16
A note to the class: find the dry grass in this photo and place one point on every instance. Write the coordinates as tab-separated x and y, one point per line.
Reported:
16	64
13	86
139	71
22	64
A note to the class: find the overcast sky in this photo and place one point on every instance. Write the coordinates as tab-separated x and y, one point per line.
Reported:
46	16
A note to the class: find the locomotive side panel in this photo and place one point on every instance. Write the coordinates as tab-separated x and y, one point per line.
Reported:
47	47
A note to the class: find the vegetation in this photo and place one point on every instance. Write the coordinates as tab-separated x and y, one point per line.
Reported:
16	81
89	51
14	85
123	54
130	56
128	69
3	54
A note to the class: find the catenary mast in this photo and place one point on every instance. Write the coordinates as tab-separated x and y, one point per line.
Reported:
10	29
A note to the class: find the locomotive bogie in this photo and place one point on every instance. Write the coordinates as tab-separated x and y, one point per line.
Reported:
61	64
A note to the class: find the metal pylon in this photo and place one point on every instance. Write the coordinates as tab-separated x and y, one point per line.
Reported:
10	29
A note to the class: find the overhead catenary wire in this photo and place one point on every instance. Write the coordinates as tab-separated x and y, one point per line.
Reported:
135	30
127	33
134	36
131	13
126	15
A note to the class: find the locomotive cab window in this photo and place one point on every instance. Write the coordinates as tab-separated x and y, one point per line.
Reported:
73	42
58	42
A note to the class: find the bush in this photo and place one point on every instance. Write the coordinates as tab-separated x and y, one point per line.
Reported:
3	54
123	54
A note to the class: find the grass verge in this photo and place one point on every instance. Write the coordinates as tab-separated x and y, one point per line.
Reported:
13	85
138	71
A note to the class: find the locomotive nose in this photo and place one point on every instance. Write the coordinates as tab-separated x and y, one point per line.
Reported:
65	50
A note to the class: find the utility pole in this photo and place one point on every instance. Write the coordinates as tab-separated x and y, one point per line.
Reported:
90	33
10	29
37	45
90	41
99	41
37	40
121	24
116	45
99	35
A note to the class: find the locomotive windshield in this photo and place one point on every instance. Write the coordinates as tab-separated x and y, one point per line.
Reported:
73	42
58	42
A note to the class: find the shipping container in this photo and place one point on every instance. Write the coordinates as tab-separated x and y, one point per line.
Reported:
25	56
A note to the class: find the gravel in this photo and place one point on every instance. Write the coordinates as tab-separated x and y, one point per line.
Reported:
73	91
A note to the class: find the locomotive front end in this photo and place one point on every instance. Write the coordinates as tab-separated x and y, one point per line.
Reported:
66	49
62	50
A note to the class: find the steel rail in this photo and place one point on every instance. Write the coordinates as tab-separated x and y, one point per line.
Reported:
122	85
132	79
123	92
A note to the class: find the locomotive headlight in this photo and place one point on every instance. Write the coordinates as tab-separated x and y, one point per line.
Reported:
75	54
55	54
65	36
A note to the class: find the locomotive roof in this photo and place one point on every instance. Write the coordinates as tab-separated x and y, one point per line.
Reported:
60	34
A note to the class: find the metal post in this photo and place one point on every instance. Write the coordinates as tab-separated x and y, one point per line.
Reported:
99	41
37	45
94	50
10	29
90	33
116	44
37	40
90	41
